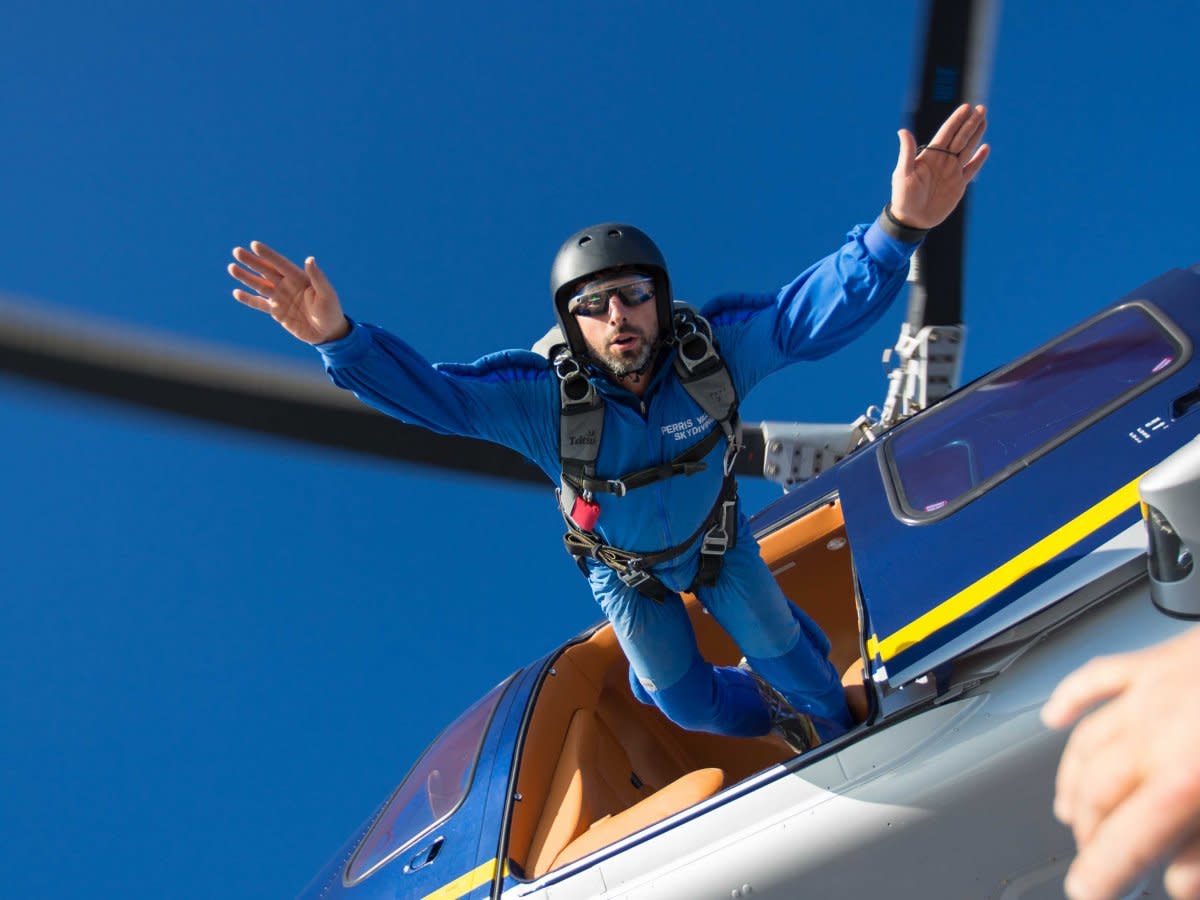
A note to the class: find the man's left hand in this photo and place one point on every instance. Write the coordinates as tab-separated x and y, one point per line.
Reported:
927	185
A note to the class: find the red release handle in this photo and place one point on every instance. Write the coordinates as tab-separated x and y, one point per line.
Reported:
585	513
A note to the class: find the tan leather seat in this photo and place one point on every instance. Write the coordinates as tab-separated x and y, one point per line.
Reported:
678	795
596	798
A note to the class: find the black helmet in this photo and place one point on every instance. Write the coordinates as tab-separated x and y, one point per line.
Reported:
607	246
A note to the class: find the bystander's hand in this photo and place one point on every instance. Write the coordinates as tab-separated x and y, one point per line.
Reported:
300	299
1129	780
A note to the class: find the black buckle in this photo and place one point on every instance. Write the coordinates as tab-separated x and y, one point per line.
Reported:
633	576
716	539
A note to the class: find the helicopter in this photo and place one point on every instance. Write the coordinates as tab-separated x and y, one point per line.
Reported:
445	854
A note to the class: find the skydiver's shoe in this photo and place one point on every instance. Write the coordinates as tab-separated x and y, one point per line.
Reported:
794	727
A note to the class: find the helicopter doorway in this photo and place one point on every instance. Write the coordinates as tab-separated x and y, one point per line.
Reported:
597	765
810	559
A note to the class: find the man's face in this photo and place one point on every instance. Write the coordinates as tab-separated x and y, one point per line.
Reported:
618	318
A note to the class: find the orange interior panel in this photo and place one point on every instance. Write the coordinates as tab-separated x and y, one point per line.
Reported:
811	561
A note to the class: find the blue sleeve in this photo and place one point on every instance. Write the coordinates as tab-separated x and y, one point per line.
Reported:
826	307
508	397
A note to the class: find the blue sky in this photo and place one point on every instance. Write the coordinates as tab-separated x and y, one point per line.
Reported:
219	654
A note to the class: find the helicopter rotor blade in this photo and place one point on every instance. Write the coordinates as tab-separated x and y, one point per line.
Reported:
955	69
231	389
263	397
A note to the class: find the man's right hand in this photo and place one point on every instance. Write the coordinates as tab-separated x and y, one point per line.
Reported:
301	300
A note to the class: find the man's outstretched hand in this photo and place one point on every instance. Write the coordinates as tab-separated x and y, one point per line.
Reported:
1129	779
300	299
926	186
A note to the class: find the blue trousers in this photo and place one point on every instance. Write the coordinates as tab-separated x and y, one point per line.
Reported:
780	642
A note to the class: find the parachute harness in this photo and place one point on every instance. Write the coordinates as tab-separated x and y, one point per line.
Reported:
704	376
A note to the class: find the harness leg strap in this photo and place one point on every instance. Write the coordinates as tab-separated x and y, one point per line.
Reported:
717	541
644	583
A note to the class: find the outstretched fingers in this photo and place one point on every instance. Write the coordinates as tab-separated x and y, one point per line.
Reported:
261	288
971	150
1103	780
972	132
254	301
945	135
971	169
277	261
256	263
300	299
250	280
1182	878
956	130
1098	680
317	277
908	152
1139	832
1075	786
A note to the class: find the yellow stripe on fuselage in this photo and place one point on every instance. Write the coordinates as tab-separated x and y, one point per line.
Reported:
477	877
1006	575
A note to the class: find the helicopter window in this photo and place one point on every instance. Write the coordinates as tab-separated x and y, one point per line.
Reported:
431	791
955	452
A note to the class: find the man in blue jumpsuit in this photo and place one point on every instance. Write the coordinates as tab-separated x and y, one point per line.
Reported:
617	320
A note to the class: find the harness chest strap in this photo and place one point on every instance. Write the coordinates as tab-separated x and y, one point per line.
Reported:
703	374
689	462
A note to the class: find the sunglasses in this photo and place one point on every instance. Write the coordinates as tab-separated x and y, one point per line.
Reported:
634	290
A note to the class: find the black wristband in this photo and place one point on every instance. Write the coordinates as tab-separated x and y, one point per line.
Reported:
905	234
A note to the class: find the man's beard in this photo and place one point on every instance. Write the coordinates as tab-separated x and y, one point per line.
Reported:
622	364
